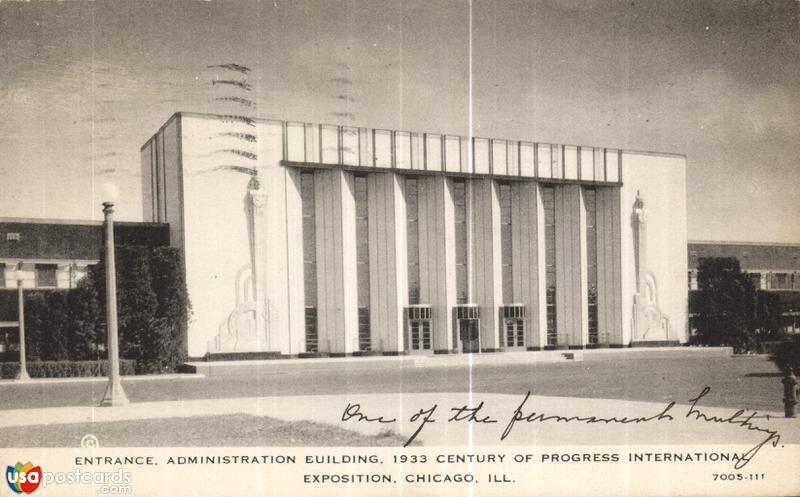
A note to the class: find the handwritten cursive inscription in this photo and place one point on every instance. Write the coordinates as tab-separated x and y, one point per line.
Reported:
354	411
541	417
737	418
478	415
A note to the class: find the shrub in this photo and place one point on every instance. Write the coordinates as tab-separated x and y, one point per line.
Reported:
62	324
787	355
64	369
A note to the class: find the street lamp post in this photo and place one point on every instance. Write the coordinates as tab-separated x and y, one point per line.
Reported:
23	362
115	395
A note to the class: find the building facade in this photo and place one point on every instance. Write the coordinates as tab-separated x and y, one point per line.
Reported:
303	239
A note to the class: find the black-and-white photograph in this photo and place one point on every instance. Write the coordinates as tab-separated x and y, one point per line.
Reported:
400	247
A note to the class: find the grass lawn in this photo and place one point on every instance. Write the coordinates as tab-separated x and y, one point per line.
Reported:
200	431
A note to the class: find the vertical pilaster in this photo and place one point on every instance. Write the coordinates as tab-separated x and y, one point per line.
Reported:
387	261
295	340
609	267
570	266
278	260
527	240
487	270
337	284
437	256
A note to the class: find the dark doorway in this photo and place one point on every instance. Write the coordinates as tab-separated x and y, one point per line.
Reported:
469	331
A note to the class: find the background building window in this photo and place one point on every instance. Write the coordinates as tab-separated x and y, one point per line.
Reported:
2	275
780	281
46	275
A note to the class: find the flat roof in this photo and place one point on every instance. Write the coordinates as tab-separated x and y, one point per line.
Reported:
207	115
751	255
74	222
64	239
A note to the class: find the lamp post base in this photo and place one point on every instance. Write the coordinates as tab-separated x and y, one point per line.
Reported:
115	396
23	376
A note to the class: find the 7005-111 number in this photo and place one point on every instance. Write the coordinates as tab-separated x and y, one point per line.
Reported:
738	476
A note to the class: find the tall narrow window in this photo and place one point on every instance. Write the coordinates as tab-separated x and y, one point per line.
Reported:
412	228
590	199
460	203
2	275
505	238
549	202
309	260
362	260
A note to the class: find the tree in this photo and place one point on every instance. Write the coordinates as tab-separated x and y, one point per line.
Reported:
84	324
54	340
136	306
35	308
152	306
172	311
725	304
768	316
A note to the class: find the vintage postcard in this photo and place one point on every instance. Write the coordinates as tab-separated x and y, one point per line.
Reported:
400	248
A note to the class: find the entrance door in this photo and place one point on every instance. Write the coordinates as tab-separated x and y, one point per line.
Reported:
420	335
470	335
515	333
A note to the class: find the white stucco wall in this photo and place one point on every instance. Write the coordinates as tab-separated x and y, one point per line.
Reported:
216	228
661	179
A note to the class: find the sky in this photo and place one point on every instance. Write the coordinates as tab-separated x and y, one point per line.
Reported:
84	84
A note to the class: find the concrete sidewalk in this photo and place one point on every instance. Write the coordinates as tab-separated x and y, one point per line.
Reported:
211	368
328	409
217	368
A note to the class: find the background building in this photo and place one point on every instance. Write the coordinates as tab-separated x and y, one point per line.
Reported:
773	267
55	255
302	238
